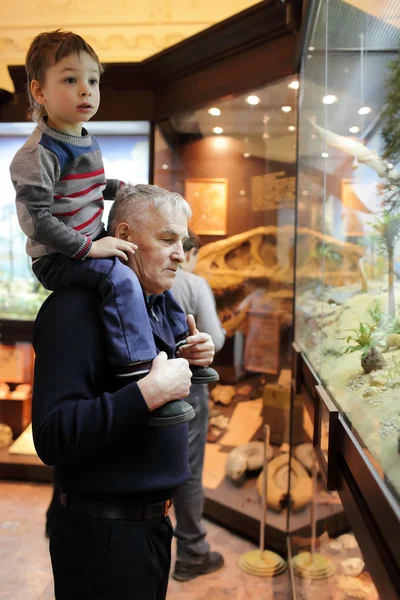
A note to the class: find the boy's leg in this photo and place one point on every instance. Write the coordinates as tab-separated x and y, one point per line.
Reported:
123	310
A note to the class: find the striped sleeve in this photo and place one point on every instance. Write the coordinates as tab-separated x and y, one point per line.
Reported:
34	172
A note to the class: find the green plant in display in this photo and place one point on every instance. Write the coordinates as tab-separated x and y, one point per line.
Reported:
376	312
365	340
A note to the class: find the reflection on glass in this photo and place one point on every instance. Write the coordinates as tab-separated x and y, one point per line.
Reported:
125	156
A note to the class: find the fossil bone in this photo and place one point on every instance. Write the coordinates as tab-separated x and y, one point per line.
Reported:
352	566
247	457
277	483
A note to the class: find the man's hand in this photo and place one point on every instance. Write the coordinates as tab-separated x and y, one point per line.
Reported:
199	349
167	380
111	246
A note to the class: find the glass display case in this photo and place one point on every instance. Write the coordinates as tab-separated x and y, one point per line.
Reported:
347	350
234	161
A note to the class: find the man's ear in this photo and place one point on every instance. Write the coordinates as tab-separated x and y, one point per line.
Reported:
37	92
124	232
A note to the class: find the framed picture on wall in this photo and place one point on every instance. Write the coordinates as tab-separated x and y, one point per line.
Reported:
208	199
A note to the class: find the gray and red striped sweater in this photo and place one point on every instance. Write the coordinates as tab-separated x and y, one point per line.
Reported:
60	187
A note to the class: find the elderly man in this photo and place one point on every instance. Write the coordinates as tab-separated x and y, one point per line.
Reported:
110	533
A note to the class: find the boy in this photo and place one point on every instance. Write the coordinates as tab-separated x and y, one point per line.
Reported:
59	180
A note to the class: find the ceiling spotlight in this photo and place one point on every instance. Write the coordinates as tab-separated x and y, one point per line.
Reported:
246	154
164	167
324	155
364	110
265	119
242	192
265	136
304	193
329	99
292	128
354	129
311	48
215	112
218	130
253	100
286	109
294	85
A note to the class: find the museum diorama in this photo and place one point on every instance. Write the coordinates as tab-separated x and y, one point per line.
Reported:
293	183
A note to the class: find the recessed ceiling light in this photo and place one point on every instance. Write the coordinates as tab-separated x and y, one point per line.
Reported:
165	167
311	48
294	85
325	155
246	154
215	112
265	119
292	128
242	192
304	193
354	129
286	109
364	110
265	136
329	99
253	100
218	130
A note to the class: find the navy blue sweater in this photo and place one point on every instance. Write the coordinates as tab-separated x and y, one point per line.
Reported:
91	431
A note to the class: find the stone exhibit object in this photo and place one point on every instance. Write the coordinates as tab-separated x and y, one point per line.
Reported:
348	540
247	457
6	435
334	547
223	394
352	566
277	484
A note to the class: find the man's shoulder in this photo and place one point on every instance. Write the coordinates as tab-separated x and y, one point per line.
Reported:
70	303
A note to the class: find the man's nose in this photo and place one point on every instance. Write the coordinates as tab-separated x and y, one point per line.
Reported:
179	254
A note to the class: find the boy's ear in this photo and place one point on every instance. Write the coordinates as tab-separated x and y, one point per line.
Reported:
37	92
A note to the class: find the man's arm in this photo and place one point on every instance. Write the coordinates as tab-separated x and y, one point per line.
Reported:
72	411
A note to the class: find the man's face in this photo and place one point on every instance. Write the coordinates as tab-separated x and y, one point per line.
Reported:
160	250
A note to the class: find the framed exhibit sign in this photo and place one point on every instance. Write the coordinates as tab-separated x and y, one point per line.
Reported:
208	199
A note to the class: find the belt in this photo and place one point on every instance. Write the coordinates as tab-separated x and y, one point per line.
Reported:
125	510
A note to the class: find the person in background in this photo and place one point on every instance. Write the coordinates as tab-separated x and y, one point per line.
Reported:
194	556
110	534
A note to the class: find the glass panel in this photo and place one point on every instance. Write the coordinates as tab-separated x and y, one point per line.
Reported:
234	161
347	320
326	558
125	148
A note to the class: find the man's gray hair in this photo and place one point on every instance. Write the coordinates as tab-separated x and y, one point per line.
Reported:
133	204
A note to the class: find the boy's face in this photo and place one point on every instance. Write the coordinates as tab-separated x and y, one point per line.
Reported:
70	92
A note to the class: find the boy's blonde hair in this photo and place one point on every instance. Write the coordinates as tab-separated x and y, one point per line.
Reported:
46	50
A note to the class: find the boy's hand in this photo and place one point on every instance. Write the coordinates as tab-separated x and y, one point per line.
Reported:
111	246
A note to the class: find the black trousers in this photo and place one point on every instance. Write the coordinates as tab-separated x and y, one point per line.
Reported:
107	559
